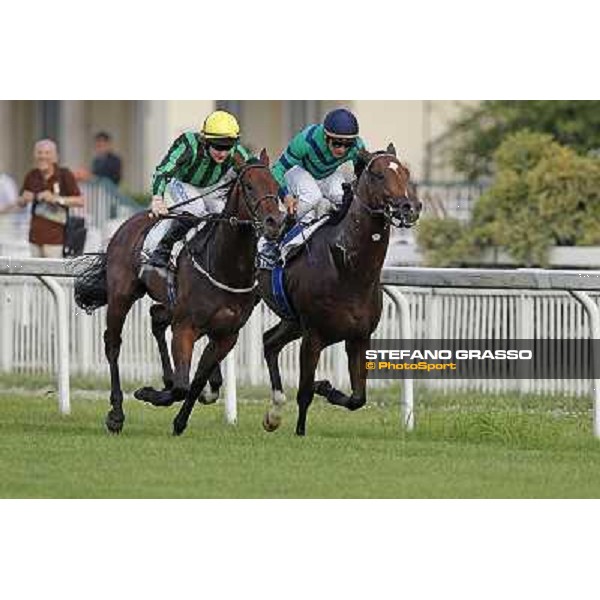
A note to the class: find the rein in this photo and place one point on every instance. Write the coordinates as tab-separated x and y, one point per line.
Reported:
234	221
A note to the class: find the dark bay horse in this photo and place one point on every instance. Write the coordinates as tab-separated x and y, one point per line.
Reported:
334	286
215	289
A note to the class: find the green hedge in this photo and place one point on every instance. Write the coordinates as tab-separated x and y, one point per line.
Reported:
543	194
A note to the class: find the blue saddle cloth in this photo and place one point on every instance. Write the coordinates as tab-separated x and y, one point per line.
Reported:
292	233
279	293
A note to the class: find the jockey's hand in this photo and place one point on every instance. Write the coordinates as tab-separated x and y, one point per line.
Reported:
158	207
291	204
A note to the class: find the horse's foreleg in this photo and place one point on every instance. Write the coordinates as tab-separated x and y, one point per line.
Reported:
355	349
161	319
274	340
357	368
214	353
310	350
118	308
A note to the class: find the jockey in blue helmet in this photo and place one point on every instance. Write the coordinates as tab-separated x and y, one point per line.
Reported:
308	171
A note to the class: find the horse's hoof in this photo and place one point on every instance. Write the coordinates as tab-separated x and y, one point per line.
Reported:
179	426
355	404
271	422
155	397
208	397
113	425
145	394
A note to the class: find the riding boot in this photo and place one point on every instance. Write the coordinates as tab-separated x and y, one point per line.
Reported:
337	216
162	253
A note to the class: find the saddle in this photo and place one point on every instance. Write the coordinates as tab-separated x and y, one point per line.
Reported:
297	237
152	240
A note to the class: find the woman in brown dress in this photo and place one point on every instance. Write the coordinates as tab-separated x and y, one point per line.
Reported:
51	190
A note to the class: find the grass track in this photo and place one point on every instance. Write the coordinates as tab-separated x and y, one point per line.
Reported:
464	447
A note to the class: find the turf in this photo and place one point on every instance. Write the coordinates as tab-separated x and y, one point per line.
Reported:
465	446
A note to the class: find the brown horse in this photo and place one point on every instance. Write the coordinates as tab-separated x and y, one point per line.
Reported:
334	286
215	289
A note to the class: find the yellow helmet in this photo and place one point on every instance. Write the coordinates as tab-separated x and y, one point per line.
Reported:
220	124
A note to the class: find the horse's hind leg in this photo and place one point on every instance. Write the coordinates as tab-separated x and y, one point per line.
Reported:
118	307
310	350
274	340
214	353
355	349
215	382
161	319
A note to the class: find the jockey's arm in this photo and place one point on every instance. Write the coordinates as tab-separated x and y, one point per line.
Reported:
182	151
291	157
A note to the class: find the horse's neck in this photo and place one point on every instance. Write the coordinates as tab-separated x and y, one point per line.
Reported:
363	238
233	248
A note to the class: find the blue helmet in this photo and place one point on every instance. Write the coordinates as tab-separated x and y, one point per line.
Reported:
341	123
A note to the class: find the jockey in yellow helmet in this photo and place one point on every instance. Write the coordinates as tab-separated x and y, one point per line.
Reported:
195	163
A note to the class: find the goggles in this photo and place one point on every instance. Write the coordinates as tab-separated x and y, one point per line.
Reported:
339	143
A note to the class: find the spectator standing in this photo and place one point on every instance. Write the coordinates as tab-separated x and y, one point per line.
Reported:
51	190
106	163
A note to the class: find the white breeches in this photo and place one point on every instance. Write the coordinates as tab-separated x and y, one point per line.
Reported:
315	196
177	191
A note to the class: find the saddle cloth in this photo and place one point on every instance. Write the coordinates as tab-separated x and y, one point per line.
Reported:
297	237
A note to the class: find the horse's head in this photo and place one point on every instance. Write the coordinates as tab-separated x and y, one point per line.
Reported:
384	187
256	194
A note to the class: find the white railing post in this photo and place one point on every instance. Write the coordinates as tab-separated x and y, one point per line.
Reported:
62	326
6	329
230	389
407	400
594	315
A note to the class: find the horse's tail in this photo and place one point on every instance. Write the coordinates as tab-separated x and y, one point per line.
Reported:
91	290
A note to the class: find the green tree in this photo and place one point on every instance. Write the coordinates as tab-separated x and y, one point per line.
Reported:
543	194
481	130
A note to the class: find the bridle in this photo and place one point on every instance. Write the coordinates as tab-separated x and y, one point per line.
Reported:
388	212
252	204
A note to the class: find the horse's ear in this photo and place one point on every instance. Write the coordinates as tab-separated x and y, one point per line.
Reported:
264	157
391	149
238	161
362	160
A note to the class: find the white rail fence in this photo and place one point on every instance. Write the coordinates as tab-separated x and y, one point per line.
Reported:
29	330
467	309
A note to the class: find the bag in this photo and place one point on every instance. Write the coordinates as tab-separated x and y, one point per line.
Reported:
75	234
51	212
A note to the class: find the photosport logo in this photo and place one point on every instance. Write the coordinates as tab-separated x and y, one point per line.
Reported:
483	359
